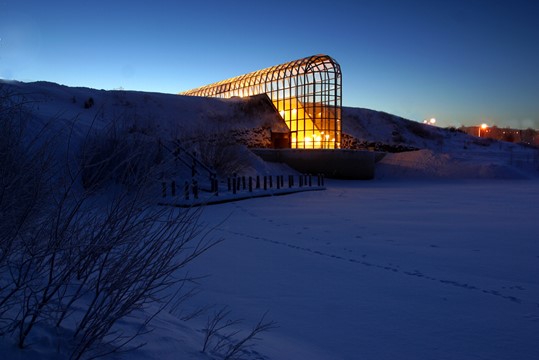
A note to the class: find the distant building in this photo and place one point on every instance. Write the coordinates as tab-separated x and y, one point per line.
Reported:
307	93
527	136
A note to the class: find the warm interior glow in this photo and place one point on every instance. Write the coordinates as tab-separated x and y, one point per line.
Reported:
305	92
306	134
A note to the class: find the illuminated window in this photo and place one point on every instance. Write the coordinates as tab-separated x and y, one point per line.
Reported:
306	93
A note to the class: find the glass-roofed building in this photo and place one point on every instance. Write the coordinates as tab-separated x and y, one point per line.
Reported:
306	92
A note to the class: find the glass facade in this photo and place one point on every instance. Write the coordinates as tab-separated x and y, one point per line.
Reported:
306	92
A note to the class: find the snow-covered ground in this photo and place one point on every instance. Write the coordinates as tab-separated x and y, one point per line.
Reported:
373	270
437	258
385	270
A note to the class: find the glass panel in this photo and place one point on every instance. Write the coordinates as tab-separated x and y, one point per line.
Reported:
306	92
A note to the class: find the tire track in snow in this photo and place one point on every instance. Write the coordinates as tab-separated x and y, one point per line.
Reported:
414	273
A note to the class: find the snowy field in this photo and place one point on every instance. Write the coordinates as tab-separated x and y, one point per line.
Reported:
379	270
383	269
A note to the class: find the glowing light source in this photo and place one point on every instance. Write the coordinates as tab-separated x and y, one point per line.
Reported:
482	127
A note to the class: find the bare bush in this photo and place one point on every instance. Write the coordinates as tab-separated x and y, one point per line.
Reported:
25	182
80	259
223	336
132	263
89	103
225	158
215	325
118	154
218	149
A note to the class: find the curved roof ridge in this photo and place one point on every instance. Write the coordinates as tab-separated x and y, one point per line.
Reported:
306	64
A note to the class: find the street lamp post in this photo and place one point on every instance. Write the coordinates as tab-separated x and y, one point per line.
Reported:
483	126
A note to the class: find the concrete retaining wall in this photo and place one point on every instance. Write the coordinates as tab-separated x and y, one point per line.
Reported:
339	164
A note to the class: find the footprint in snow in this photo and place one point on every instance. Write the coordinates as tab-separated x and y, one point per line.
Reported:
416	273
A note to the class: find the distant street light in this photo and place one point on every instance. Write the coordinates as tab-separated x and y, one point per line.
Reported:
483	126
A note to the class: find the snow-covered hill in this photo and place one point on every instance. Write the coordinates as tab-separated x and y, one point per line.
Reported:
445	153
441	153
171	114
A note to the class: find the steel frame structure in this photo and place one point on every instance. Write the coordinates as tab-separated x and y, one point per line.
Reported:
306	92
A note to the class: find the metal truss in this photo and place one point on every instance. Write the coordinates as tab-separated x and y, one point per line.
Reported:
306	92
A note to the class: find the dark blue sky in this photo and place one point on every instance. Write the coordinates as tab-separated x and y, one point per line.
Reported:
462	62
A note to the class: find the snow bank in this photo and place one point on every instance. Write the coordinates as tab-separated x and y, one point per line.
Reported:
427	164
443	153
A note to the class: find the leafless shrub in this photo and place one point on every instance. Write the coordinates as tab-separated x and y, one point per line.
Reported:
139	257
223	336
423	130
80	259
24	183
215	326
176	307
89	103
218	149
224	157
118	154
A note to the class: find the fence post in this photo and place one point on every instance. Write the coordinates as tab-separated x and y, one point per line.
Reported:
290	181
278	180
243	182
215	186
271	181
265	182
173	188
233	185
258	181
195	189
300	180
186	190
310	180
250	184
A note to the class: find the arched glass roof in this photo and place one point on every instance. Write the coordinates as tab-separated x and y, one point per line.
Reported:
306	92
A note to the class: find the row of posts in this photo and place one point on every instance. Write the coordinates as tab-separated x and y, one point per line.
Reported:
188	188
239	183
